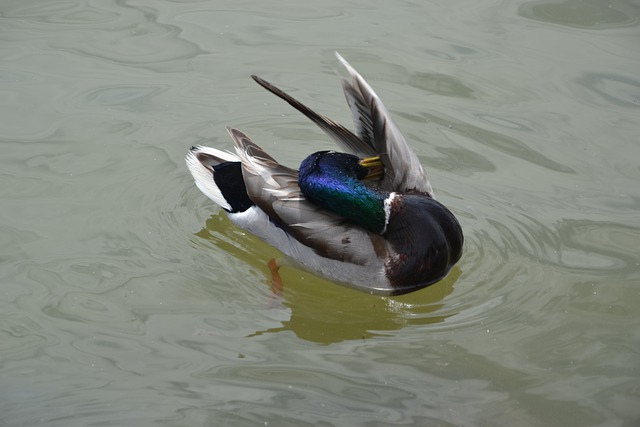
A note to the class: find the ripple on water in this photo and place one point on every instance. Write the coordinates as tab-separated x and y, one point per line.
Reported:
257	393
22	338
92	31
467	135
598	247
609	88
591	14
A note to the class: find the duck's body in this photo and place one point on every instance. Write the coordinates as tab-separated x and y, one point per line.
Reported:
387	236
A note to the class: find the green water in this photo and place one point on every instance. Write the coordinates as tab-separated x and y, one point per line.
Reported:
128	299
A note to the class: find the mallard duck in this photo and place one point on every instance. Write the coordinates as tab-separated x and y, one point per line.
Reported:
365	217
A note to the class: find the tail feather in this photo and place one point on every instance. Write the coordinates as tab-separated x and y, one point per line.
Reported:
201	162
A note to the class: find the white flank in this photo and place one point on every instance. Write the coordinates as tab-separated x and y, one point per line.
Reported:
370	277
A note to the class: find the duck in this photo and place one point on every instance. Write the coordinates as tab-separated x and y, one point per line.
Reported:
363	216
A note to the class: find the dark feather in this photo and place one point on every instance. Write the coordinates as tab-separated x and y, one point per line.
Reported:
342	136
427	239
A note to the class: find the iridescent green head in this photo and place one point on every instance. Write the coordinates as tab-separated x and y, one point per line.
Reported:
334	181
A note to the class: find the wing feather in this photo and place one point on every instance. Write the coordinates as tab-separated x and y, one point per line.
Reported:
343	137
374	126
376	134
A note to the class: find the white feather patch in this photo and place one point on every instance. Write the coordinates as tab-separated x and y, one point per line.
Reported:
370	277
203	174
387	209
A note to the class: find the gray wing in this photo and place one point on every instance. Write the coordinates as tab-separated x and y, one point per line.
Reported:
274	189
376	133
375	128
343	137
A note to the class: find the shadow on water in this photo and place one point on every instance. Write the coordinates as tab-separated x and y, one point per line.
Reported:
322	311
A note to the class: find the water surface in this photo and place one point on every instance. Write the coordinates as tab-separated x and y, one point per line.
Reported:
127	298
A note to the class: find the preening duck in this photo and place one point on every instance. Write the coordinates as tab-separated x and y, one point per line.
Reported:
365	217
